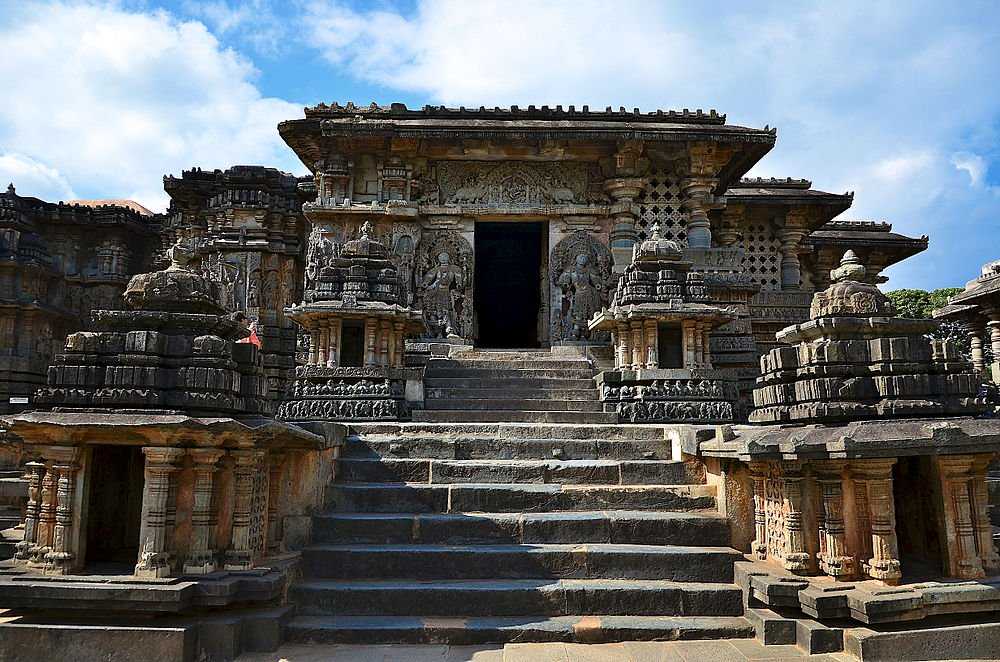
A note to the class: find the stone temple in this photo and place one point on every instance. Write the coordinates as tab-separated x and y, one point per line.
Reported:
484	376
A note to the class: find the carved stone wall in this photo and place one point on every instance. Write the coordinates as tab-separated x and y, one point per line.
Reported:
513	183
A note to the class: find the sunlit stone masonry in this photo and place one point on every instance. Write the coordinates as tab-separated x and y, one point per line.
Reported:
486	375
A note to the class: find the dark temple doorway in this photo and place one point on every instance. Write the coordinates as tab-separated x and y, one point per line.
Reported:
114	508
508	285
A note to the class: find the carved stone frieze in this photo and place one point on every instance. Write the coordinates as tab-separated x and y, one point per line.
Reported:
513	184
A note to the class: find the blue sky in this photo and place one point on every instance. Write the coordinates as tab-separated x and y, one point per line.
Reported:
898	102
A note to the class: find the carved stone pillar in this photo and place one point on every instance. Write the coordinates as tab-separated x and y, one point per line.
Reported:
324	343
697	194
994	327
399	343
796	558
239	556
276	470
333	351
384	331
960	530
35	473
687	340
759	472
834	561
63	556
623	345
637	355
623	191
371	326
160	472
791	238
46	516
201	556
884	563
313	347
729	233
652	353
981	516
976	347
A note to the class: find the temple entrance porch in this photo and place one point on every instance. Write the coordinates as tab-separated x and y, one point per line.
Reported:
509	279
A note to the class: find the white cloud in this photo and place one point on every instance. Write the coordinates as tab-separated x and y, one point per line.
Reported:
115	99
898	168
33	178
972	164
253	22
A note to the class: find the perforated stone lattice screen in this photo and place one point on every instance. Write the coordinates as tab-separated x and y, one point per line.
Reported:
661	203
763	254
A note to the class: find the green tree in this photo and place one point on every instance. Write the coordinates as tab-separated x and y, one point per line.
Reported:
920	304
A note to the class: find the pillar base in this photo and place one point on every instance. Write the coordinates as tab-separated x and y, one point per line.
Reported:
886	571
838	567
153	565
200	563
238	561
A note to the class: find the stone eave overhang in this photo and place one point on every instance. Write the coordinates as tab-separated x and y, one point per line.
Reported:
957	312
826	206
65	428
608	318
898	246
310	138
978	293
834	327
859	439
311	315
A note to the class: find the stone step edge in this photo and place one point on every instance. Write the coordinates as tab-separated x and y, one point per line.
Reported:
486	630
527	548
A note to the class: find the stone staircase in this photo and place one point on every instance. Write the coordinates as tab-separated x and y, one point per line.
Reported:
511	386
491	533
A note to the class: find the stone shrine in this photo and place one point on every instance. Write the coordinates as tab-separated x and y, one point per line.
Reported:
660	323
536	374
357	329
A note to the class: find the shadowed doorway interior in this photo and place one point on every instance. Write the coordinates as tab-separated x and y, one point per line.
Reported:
508	291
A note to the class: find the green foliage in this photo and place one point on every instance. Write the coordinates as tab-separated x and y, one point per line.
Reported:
920	303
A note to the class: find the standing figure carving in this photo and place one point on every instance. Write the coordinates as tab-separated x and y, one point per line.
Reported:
444	283
443	298
581	276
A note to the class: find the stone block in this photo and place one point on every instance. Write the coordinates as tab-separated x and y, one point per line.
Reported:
979	641
770	627
815	638
22	642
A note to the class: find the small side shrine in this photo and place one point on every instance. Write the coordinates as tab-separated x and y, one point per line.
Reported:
871	470
660	319
154	468
357	324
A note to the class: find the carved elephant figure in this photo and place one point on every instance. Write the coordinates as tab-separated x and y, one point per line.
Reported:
466	194
561	195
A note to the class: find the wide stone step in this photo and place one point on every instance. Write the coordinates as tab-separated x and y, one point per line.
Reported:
557	561
510	373
490	448
513	597
534	628
423	498
514	430
570	472
431	383
626	527
512	393
487	416
435	365
512	404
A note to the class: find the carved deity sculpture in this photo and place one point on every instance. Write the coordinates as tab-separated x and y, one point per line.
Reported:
443	298
581	297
